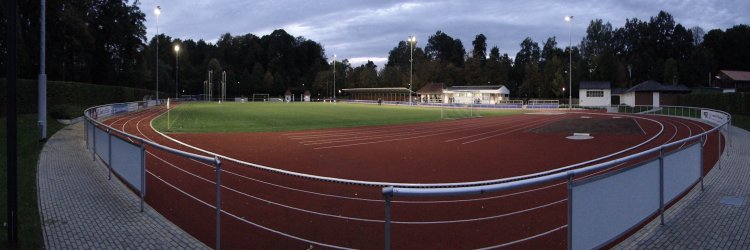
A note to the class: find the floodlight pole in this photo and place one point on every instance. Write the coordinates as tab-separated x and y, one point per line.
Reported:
157	12
42	112
334	78
569	19
177	69
412	40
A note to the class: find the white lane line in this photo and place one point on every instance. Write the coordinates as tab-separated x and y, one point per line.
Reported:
639	126
243	219
532	125
500	129
524	239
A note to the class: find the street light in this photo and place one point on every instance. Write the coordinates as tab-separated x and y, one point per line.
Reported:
569	19
334	78
177	68
157	12
412	40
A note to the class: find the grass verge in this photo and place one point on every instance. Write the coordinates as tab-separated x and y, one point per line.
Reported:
741	121
29	225
263	117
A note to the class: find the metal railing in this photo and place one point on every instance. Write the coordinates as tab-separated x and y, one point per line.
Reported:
94	127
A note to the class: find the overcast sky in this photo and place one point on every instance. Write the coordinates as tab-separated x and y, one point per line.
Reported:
368	29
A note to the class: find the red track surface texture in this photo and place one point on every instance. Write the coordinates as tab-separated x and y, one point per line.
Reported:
263	209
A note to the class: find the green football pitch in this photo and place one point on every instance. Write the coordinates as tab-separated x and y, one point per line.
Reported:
267	116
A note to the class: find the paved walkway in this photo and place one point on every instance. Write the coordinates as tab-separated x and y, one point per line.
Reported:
81	209
717	218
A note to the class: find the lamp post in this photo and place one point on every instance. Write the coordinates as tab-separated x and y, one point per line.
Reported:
334	78
177	68
157	12
42	99
412	40
569	19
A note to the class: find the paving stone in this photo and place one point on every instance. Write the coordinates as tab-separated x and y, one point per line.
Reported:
702	220
81	209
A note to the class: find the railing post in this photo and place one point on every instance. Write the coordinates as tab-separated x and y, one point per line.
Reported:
109	153
93	148
701	160
718	147
217	164
388	194
143	173
570	211
661	185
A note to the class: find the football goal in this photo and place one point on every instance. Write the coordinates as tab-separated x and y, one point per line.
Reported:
260	98
543	104
455	111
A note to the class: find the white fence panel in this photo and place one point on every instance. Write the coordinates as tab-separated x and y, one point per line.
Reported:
126	161
101	144
681	170
602	208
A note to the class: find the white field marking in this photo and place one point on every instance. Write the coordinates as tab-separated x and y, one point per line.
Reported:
355	218
437	127
524	239
389	140
700	125
370	130
462	127
242	219
398	134
375	183
356	129
532	125
410	127
690	132
493	131
145	114
639	126
480	218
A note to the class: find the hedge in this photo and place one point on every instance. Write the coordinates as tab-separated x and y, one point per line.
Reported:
735	103
69	99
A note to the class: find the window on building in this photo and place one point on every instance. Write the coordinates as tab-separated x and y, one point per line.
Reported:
595	93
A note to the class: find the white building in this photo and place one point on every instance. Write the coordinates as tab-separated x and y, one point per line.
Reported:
653	93
484	94
595	94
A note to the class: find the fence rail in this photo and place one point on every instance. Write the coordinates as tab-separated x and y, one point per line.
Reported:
126	154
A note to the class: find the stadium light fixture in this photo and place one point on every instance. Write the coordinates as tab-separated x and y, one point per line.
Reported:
569	20
177	69
157	12
412	40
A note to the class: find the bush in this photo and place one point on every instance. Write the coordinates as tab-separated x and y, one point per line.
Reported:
735	103
68	99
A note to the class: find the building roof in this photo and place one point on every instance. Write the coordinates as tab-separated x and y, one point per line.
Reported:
474	88
737	75
431	88
594	85
377	90
654	86
619	91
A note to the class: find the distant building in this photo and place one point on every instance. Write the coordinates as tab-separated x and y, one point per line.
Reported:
595	94
653	93
431	93
733	81
399	94
483	94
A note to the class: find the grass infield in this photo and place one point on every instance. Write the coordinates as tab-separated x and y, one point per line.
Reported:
264	117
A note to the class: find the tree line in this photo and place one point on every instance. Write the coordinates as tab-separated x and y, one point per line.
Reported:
104	42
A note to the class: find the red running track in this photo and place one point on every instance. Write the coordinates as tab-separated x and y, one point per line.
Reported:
263	209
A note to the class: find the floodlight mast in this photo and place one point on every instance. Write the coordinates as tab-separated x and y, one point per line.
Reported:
334	78
157	12
177	69
569	19
412	40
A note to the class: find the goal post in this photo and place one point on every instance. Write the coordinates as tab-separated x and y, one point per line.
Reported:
454	111
260	98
